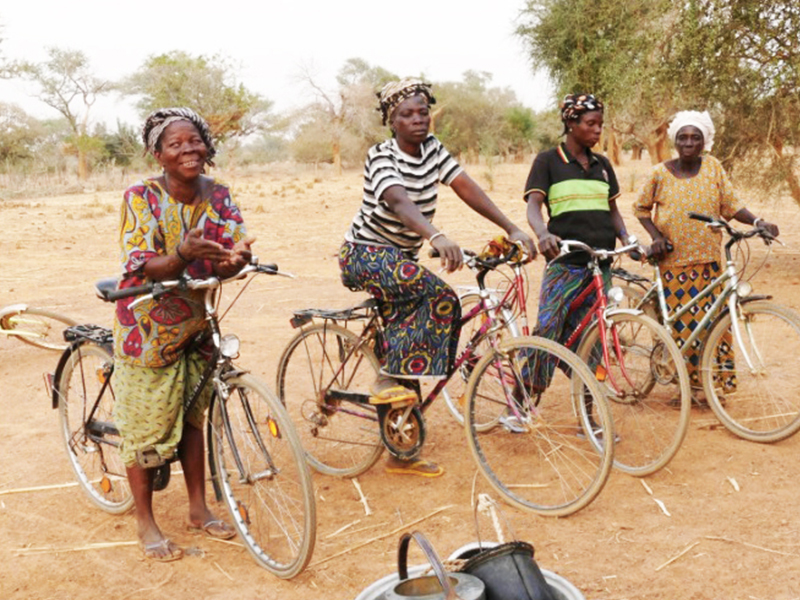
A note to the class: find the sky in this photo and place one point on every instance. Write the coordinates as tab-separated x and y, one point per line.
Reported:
272	42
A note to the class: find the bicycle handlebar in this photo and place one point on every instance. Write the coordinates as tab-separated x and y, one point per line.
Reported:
568	246
737	235
157	289
476	262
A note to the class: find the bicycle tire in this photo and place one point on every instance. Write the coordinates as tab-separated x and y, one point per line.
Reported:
454	392
557	465
93	454
651	406
340	437
763	406
37	327
272	505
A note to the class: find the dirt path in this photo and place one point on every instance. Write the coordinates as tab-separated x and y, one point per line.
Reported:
735	544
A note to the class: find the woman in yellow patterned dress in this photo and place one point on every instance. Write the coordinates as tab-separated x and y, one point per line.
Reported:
692	182
179	221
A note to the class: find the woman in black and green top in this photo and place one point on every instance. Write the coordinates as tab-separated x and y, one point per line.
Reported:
579	189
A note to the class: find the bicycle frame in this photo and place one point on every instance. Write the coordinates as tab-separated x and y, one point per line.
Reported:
728	281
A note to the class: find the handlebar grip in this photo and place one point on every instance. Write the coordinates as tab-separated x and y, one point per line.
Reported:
270	268
635	255
700	217
433	253
136	290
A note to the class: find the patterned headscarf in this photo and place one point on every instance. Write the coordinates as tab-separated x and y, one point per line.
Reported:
393	93
160	119
574	105
701	120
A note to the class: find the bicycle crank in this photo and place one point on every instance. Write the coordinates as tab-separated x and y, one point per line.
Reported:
402	430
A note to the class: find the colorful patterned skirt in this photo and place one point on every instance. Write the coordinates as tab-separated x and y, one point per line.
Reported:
421	313
681	284
561	286
149	409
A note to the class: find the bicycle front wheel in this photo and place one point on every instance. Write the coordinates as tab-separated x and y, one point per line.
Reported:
261	469
85	402
552	449
324	378
647	386
37	327
759	401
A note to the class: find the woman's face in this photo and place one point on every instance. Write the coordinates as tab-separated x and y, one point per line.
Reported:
411	120
181	151
689	142
587	129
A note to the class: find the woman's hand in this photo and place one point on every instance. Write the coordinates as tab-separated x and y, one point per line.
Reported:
660	247
240	256
449	252
516	235
549	245
195	246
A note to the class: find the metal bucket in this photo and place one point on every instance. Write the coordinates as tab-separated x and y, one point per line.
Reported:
442	586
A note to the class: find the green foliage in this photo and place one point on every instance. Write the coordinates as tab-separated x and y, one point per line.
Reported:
205	84
123	146
19	133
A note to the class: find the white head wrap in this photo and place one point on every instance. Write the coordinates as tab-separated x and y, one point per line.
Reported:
701	120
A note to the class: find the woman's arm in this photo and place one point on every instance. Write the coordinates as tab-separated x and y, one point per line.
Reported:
748	218
170	266
474	197
618	222
410	215
548	242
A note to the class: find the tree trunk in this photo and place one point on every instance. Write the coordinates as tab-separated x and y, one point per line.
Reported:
791	177
658	146
337	156
613	150
636	152
83	165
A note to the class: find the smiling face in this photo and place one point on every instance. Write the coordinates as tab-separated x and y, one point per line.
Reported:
689	142
587	129
181	151
411	122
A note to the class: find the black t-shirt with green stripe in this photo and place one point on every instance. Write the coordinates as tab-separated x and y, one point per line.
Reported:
577	200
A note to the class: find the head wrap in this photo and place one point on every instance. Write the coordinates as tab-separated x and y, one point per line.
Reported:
394	92
160	119
574	105
701	120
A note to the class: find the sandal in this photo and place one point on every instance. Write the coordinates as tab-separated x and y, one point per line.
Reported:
163	550
216	528
391	395
422	468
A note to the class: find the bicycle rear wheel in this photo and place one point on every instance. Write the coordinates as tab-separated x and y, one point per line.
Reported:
759	404
323	383
93	447
37	327
647	386
553	458
261	469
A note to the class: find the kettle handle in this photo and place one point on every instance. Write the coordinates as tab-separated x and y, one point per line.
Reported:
433	558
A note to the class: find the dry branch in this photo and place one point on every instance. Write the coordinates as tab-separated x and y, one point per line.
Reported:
677	556
361	496
39	488
97	546
730	541
380	537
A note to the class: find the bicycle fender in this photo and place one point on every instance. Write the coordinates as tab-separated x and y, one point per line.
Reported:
624	311
725	311
59	369
235	372
13	309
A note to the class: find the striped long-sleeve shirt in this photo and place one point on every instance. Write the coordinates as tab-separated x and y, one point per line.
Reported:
387	165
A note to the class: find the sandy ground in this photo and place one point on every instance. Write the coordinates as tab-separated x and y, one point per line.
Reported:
726	542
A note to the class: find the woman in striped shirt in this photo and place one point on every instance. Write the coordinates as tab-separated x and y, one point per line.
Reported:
421	312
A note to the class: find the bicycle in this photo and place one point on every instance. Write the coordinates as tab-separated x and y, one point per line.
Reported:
255	457
325	372
755	395
35	326
641	368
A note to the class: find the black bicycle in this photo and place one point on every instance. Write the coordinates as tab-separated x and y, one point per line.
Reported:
256	460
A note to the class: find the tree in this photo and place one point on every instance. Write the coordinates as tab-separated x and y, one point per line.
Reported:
66	84
615	50
741	60
205	84
341	124
19	133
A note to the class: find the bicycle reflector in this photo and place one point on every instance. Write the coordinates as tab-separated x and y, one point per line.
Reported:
273	428
229	346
